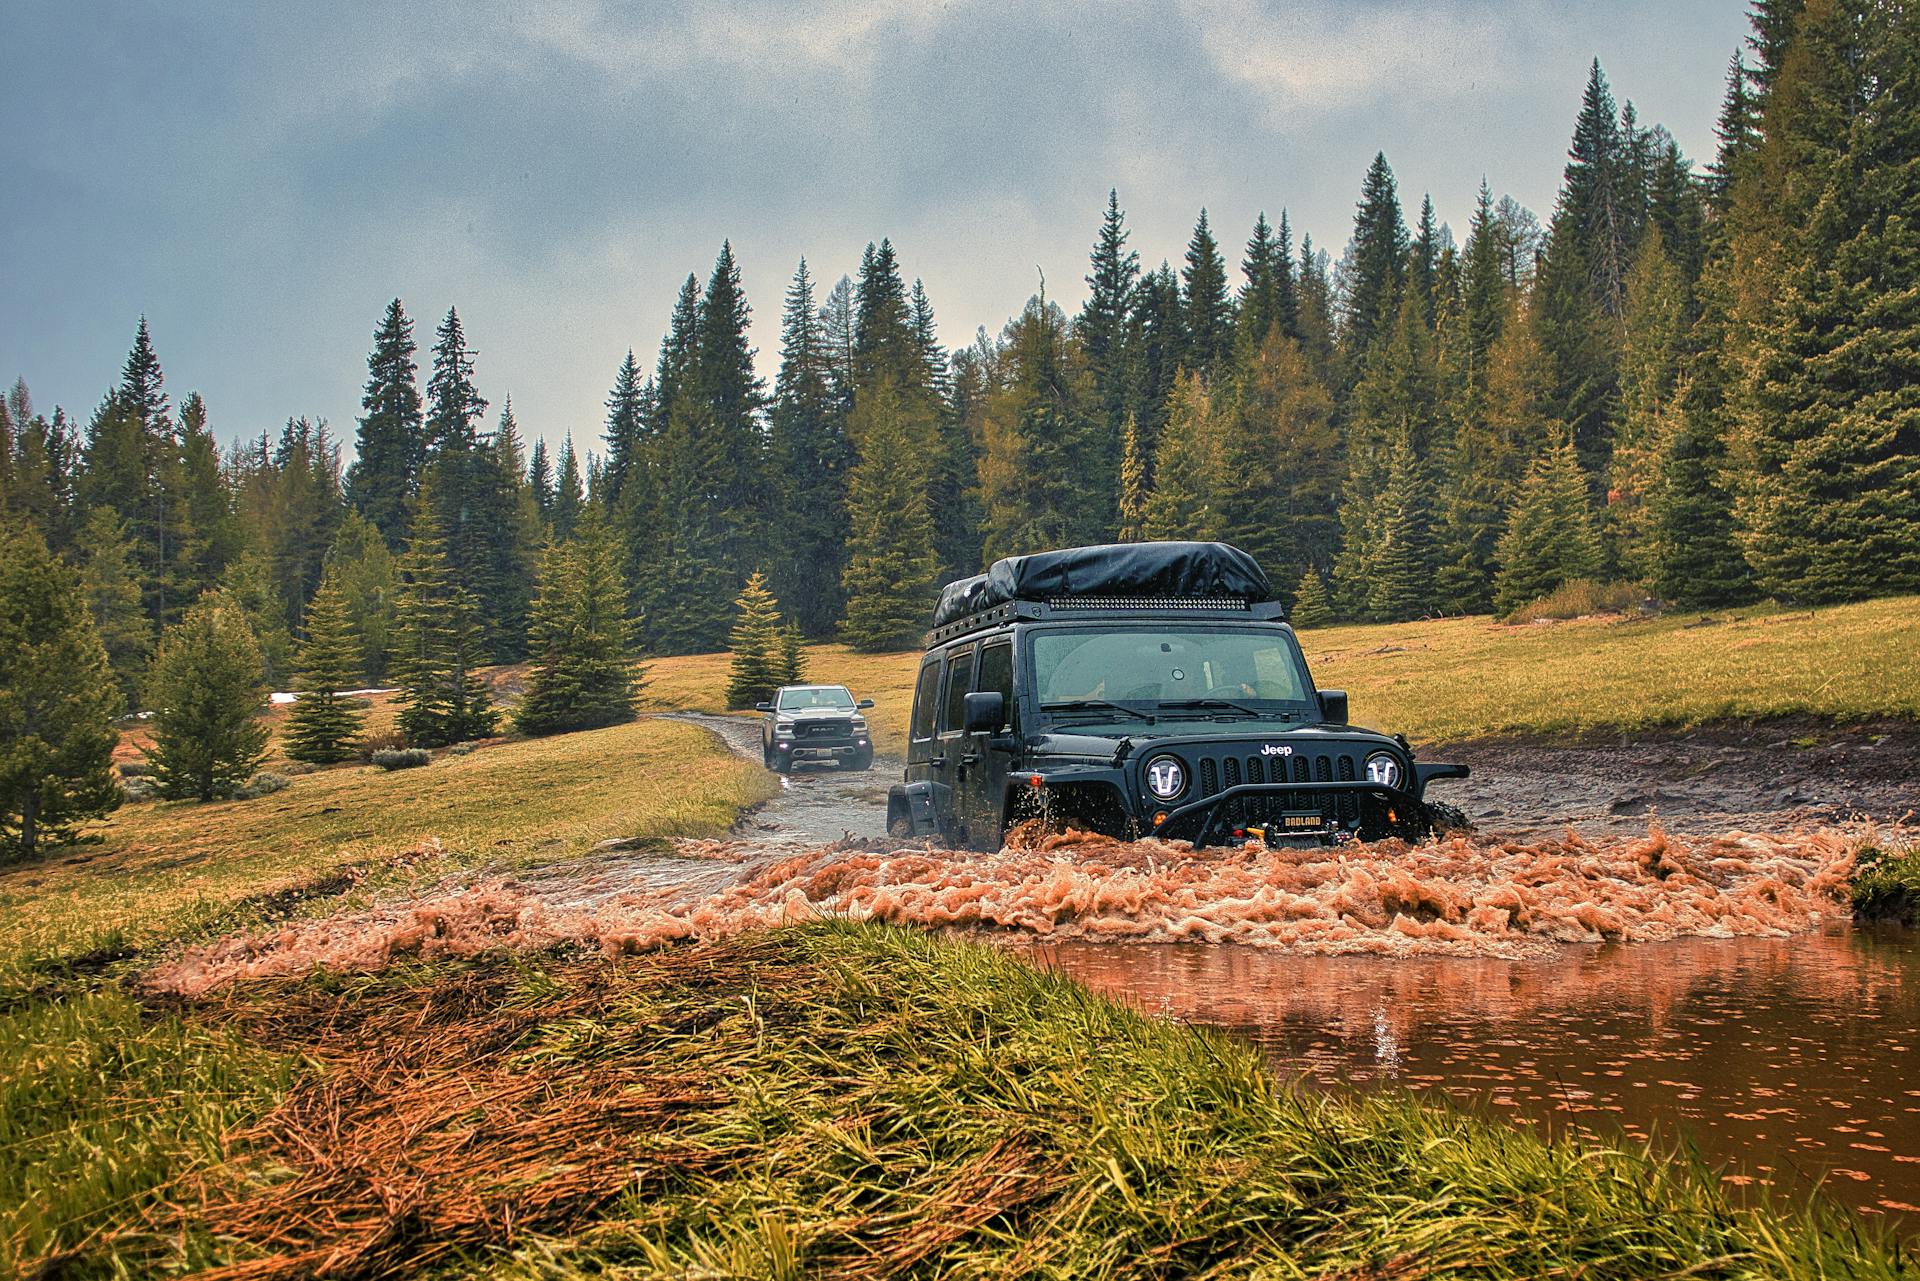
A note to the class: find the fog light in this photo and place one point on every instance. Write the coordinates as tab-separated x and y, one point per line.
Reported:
1159	818
781	747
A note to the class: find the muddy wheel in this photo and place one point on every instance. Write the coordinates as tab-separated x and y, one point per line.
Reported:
858	761
782	764
1443	818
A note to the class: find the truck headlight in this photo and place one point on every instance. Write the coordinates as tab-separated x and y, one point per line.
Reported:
1383	769
860	724
1165	777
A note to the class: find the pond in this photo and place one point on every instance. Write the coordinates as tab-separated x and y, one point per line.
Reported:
1785	1062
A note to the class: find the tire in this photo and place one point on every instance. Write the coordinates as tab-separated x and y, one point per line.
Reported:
859	762
783	764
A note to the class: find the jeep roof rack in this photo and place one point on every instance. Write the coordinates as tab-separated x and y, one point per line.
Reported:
1168	577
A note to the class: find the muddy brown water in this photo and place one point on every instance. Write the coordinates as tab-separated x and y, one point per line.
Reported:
1785	1063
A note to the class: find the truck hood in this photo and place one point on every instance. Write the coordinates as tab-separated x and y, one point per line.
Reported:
1116	745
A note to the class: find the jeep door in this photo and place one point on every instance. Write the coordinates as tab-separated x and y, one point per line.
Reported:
944	766
982	772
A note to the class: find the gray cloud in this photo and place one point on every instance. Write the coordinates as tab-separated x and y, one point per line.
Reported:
260	179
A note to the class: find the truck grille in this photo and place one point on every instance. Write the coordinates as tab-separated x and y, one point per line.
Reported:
1217	772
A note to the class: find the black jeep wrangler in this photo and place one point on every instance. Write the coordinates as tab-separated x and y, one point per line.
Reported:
814	722
1140	689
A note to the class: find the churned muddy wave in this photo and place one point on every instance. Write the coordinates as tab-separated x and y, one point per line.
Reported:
1463	896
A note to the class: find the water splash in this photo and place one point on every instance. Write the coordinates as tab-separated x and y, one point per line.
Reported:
1461	896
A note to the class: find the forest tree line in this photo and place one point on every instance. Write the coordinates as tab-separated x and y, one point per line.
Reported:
1705	381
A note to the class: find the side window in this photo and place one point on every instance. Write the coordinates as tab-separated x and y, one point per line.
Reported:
926	697
959	681
996	674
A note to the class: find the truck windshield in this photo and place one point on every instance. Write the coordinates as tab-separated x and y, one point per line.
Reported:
1250	667
809	696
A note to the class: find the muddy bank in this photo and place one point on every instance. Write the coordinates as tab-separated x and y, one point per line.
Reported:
1779	775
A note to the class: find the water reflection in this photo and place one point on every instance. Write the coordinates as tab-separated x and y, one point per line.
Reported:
1786	1061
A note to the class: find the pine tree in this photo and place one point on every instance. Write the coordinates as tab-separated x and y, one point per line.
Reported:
953	468
46	453
889	576
1377	258
57	700
454	405
437	640
1695	557
212	524
1187	472
1737	132
1102	326
1423	260
883	339
362	567
568	495
322	723
1647	413
809	457
1209	314
1312	602
1401	587
510	532
1828	410
1280	460
1397	396
112	595
540	481
206	694
1133	485
793	656
1036	490
755	645
1267	264
391	447
583	674
626	429
1157	341
731	394
1549	539
681	583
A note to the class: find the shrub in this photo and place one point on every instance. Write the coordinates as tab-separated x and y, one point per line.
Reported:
265	783
293	769
402	757
461	749
1886	886
138	787
134	769
1581	597
371	745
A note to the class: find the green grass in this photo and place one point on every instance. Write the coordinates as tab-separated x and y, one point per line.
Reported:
863	1101
159	871
1886	886
1459	678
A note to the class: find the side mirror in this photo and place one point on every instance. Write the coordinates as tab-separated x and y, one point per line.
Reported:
1333	706
763	707
864	704
985	711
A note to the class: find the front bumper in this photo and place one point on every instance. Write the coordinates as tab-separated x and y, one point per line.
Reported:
1282	812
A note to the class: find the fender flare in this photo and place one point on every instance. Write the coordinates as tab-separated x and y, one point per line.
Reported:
918	804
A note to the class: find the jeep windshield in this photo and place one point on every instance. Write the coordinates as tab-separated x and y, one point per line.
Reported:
1168	671
808	697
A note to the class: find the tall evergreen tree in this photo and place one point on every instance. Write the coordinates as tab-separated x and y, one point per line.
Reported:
360	565
57	700
1401	586
1102	326
215	535
1280	460
626	429
322	723
1647	413
890	566
1423	260
568	493
454	405
1038	436
679	351
732	395
206	694
112	593
755	645
1549	539
1737	131
583	673
1133	485
1157	340
1376	262
681	583
1187	472
1267	300
437	640
391	446
1397	398
1208	311
808	460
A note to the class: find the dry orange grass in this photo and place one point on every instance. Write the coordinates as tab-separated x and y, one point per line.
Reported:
1456	678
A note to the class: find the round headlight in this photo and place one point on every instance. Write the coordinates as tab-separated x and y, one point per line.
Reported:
1383	769
1166	777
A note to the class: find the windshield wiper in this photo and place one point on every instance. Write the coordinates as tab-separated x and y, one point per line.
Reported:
1087	704
1203	703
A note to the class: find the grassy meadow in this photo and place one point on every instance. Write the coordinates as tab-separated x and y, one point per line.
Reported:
1456	678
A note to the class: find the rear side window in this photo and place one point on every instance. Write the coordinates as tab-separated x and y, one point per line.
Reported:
959	680
926	697
996	675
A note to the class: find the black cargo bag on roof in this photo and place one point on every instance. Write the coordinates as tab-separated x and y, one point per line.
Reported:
1165	570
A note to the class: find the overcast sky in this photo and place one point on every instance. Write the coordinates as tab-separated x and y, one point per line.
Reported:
259	179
